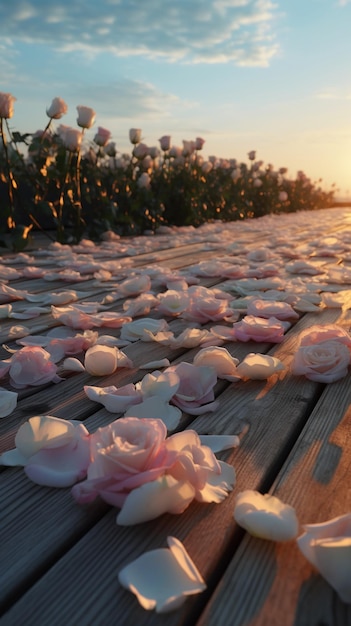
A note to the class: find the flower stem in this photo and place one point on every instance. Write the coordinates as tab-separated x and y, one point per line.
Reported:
11	183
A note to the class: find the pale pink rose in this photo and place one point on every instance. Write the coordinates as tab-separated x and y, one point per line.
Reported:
70	316
328	547
193	473
195	393
57	109
220	359
269	308
199	143
257	182
154	153
138	329
196	464
141	305
135	285
235	175
319	333
324	362
71	138
135	466
54	452
135	135
124	455
102	136
188	148
144	181
252	328
86	116
204	306
175	152
163	384
173	302
110	149
140	151
6	105
33	366
206	167
165	142
283	196
59	347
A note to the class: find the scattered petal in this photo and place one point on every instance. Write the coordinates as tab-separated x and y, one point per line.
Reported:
328	547
163	579
265	516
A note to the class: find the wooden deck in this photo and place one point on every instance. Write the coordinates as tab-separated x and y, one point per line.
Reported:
60	560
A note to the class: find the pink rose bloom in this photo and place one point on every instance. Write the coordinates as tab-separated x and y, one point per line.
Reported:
195	393
252	328
31	365
57	109
173	302
135	135
71	138
324	362
205	307
136	468
267	308
199	143
124	455
86	116
318	333
6	105
140	151
165	142
194	473
102	136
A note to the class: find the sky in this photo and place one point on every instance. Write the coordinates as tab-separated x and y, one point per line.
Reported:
266	75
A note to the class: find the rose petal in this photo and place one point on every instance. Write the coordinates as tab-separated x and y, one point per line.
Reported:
164	495
162	579
265	516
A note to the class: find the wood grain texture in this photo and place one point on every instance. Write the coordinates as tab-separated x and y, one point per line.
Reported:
60	560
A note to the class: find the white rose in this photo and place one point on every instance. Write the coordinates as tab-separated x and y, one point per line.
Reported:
57	109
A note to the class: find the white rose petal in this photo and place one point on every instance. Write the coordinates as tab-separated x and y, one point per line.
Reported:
265	516
219	358
162	579
156	407
328	547
259	366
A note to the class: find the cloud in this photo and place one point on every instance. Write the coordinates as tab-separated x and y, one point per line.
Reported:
333	95
200	31
128	99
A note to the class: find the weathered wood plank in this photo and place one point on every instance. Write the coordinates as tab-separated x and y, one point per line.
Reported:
63	559
273	583
251	408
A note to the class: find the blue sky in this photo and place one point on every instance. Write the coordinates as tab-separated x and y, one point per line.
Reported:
266	75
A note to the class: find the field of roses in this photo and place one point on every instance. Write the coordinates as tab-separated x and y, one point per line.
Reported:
56	179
